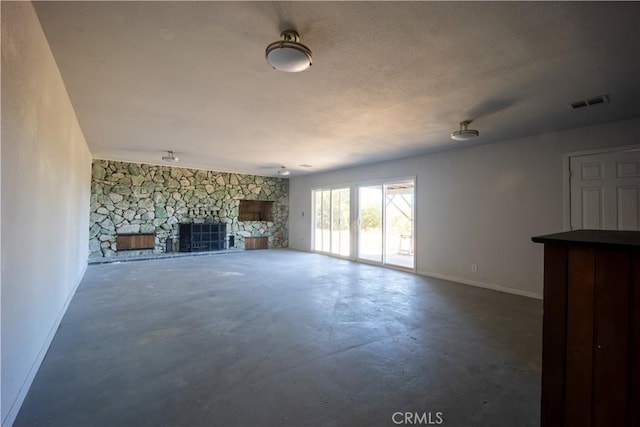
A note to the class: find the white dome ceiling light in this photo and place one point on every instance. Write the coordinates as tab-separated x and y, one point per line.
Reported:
170	157
283	171
287	54
464	134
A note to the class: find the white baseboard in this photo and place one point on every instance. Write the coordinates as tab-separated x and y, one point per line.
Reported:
478	284
14	409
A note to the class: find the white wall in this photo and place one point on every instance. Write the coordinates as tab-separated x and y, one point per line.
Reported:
45	201
478	205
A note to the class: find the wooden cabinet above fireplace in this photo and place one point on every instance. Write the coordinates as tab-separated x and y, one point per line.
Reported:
255	210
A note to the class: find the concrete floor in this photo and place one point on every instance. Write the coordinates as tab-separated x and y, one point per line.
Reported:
285	338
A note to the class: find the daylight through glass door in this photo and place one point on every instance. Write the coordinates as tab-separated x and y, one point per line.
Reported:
332	221
399	232
386	223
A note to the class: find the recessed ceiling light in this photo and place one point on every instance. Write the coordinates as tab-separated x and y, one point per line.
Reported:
464	134
287	54
170	157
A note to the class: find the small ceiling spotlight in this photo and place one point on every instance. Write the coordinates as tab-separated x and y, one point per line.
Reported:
287	54
170	157
283	171
464	134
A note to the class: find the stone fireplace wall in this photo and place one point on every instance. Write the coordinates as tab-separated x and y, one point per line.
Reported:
141	198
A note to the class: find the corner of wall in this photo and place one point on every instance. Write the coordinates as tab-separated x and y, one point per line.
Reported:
479	284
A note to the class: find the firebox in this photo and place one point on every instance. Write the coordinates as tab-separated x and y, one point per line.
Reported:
202	237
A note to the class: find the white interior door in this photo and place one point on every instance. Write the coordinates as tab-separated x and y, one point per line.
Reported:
605	191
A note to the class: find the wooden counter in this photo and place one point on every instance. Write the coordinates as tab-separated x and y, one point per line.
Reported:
591	329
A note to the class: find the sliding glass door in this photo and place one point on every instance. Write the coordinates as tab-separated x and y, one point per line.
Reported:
385	233
386	223
332	221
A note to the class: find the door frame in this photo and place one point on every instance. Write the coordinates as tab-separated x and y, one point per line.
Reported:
566	175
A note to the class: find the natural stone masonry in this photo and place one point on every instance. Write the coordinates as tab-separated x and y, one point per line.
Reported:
141	198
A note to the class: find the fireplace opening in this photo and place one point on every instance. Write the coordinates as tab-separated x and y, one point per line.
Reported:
202	237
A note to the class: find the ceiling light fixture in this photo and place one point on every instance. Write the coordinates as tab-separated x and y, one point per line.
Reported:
283	171
464	134
170	157
287	54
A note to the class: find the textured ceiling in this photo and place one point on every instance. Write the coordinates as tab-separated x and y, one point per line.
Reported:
389	79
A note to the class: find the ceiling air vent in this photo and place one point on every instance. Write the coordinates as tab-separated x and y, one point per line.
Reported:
603	99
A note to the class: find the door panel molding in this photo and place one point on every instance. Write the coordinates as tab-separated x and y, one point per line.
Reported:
593	181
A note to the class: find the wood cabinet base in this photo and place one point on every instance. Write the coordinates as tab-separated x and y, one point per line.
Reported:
591	329
128	242
256	243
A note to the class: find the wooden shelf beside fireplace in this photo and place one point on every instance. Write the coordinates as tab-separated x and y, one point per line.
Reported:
256	243
133	241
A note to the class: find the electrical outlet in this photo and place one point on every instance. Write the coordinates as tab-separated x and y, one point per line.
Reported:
474	268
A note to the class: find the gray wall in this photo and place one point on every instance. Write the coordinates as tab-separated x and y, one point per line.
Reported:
478	205
45	198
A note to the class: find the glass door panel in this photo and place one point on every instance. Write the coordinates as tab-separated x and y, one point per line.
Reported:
317	220
322	212
331	219
326	221
340	236
370	236
399	230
